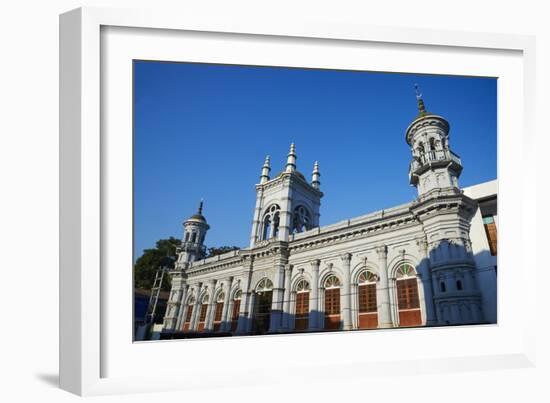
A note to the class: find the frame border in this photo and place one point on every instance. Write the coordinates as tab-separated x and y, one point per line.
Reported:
80	166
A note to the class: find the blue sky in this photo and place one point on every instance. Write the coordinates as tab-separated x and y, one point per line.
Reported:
203	131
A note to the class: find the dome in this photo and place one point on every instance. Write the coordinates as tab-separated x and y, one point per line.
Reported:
197	217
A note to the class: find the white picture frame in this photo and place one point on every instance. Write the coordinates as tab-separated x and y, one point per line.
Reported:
89	341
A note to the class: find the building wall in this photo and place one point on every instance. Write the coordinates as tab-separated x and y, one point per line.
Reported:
400	232
486	195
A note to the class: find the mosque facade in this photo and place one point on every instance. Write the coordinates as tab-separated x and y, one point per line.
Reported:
406	266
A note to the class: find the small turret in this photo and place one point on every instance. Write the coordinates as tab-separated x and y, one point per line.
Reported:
194	233
265	170
291	159
315	175
434	166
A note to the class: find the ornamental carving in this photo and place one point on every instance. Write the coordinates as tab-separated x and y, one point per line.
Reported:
382	251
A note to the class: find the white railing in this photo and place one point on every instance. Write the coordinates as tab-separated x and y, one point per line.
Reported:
434	156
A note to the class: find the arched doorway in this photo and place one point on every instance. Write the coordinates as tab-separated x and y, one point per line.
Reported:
203	311
235	310
332	303
218	312
408	302
262	306
189	314
301	319
367	312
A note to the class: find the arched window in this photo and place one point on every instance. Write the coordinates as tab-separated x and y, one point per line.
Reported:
264	285
420	149
236	309
267	228
271	222
203	311
219	310
332	302
432	144
301	220
442	287
302	305
263	300
458	285
276	221
368	314
194	237
408	302
187	237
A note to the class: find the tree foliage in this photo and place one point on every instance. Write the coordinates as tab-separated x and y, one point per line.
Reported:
164	255
146	266
215	251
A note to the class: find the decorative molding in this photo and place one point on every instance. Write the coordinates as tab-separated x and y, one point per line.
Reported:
382	251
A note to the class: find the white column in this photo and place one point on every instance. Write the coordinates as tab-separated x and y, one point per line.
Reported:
314	315
226	320
250	318
346	290
196	309
276	316
286	303
181	318
383	291
242	325
209	321
255	234
285	215
172	308
426	278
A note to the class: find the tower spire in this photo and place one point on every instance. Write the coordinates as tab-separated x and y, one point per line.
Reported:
199	211
265	170
291	159
421	106
315	176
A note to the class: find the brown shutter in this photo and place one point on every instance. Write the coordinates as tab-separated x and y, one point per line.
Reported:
218	313
204	308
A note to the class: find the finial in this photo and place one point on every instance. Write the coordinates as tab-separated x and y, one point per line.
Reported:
421	106
200	206
265	170
315	176
291	159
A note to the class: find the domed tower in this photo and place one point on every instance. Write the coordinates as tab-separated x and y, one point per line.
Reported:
448	270
194	232
434	165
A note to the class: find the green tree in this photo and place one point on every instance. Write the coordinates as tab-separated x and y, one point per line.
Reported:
220	250
146	266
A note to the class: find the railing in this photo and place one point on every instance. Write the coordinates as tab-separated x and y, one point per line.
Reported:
193	247
434	156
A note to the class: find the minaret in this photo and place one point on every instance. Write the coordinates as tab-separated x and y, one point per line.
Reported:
448	270
194	231
291	159
434	167
265	170
315	175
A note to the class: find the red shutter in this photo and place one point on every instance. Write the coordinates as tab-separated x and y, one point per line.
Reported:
332	308
302	311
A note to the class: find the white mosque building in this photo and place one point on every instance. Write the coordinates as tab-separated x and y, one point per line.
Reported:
430	262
